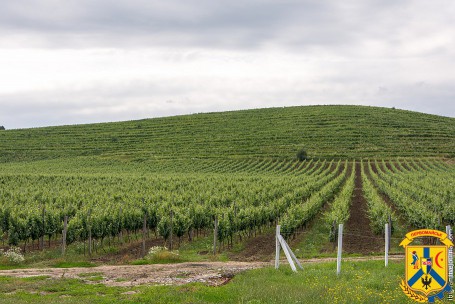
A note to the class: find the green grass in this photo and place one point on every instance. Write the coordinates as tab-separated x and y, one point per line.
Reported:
69	264
359	282
324	131
74	257
196	251
12	266
314	240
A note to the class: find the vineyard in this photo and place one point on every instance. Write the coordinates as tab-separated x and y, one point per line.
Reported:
246	197
207	191
324	131
171	178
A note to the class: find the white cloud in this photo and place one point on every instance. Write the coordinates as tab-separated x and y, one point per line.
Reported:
89	61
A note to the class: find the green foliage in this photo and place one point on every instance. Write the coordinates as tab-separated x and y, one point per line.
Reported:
302	155
327	131
339	209
246	195
107	205
421	190
164	227
13	237
378	211
300	214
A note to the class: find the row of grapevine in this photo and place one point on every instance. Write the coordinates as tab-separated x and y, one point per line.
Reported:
339	209
408	192
378	211
104	206
300	214
261	193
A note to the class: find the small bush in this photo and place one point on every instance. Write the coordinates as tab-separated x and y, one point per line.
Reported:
302	155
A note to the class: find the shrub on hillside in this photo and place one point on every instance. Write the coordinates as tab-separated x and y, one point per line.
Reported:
302	155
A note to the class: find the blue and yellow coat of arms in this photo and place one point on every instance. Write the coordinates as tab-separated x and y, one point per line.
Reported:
427	267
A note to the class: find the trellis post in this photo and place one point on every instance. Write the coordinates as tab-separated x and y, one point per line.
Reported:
290	256
144	232
386	249
172	230
89	223
65	229
277	244
41	239
215	234
340	246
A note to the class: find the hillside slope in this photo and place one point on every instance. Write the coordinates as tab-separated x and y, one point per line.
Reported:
324	131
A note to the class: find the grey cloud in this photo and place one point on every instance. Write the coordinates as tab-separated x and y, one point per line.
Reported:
165	97
206	23
374	52
101	103
145	22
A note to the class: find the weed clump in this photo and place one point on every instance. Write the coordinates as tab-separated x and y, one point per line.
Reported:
12	256
162	254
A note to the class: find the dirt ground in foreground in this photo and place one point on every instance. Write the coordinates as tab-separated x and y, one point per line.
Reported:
209	273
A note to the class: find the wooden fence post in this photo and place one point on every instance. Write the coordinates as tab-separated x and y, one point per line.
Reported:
41	240
89	222
144	232
215	234
121	232
65	229
170	236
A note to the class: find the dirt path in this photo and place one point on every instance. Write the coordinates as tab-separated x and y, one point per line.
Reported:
358	237
210	273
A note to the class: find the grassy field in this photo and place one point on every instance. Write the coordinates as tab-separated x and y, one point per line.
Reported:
359	282
325	131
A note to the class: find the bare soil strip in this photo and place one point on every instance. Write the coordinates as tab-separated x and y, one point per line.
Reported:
258	248
210	273
358	237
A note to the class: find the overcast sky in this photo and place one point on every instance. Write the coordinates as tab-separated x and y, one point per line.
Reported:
81	61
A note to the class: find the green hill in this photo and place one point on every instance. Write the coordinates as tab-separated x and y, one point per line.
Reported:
324	131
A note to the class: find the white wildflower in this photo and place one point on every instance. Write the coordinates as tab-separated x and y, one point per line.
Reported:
14	255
